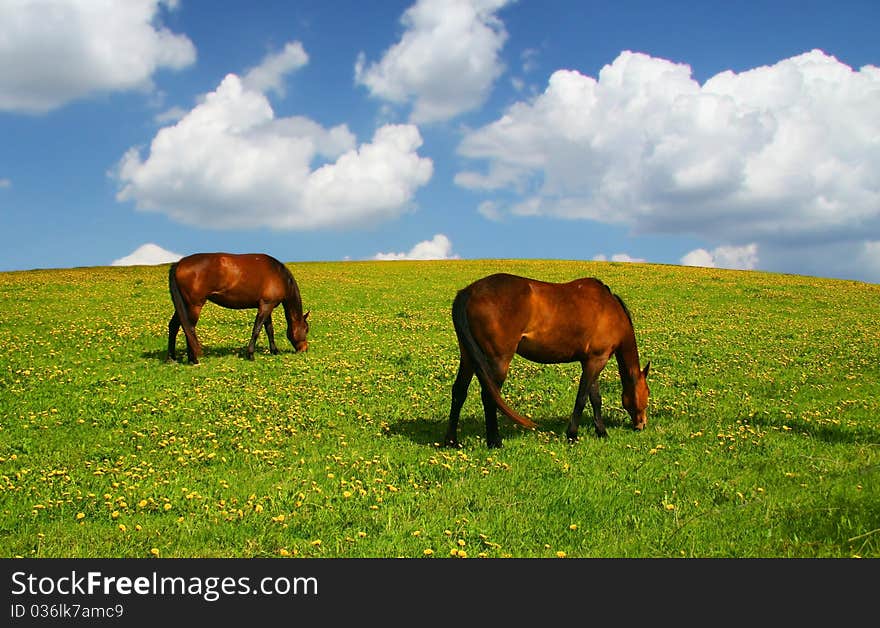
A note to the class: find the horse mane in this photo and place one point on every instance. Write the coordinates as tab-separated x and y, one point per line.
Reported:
619	300
625	309
295	297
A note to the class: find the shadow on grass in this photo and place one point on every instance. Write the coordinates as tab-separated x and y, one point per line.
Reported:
218	352
827	432
431	431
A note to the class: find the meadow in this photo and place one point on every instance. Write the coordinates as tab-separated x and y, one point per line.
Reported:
763	435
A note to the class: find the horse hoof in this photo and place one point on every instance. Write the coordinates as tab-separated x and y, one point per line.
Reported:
572	438
494	444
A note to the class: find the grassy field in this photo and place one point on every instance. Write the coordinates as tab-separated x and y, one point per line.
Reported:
763	434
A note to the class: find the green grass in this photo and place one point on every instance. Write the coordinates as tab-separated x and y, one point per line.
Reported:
763	434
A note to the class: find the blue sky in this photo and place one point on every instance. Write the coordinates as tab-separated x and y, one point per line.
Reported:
728	134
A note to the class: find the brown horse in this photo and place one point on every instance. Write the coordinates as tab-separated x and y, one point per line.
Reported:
238	282
549	323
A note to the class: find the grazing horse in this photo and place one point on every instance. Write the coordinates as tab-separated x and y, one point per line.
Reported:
237	282
549	323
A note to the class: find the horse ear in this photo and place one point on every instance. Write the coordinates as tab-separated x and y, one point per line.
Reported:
306	315
646	369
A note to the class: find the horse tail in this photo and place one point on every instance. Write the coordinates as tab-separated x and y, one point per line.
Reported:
478	357
180	308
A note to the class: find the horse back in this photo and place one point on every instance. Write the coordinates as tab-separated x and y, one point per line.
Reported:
546	322
233	280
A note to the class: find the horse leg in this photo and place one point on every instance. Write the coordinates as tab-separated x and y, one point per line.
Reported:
596	402
193	351
173	328
258	325
459	394
588	387
490	408
580	401
270	333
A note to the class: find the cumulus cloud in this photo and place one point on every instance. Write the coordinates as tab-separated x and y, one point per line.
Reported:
733	257
61	51
147	255
439	247
269	74
786	153
231	163
617	257
446	43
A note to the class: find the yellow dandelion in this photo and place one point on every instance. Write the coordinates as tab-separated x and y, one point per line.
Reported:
114	514
155	552
142	503
461	542
122	527
316	542
428	552
167	507
346	494
669	506
80	515
283	552
560	554
573	527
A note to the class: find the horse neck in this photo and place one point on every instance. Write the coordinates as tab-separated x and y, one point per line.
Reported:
293	309
628	364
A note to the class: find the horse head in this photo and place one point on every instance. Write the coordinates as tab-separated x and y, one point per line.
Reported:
635	398
297	332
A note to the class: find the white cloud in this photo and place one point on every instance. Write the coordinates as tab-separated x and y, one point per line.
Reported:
446	43
170	115
61	51
733	257
439	247
147	255
617	257
783	153
699	257
269	75
230	163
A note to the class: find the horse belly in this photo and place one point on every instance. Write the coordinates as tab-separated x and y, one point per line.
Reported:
544	352
238	295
